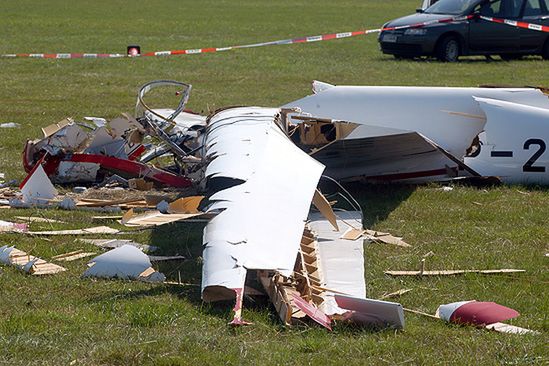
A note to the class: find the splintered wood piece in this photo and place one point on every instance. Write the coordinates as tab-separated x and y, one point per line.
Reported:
185	205
511	329
395	294
385	238
72	256
91	230
90	202
453	272
140	184
31	219
154	218
353	234
322	205
39	267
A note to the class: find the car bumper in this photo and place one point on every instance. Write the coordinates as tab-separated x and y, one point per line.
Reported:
399	44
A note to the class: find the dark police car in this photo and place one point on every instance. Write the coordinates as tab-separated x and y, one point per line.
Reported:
448	41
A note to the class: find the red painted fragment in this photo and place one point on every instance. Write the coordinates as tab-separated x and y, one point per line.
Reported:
313	312
482	313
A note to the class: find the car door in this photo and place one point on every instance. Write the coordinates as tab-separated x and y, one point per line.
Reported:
486	36
535	12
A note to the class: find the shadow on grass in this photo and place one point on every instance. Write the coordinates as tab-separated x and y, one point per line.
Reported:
378	201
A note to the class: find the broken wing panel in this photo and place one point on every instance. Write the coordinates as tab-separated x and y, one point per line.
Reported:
514	144
261	221
341	261
426	110
382	154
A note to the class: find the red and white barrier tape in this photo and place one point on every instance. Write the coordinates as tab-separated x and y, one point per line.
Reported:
516	23
323	37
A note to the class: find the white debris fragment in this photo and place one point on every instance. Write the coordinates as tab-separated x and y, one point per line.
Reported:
10	125
126	262
38	187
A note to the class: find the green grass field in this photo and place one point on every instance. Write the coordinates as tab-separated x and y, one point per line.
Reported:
64	319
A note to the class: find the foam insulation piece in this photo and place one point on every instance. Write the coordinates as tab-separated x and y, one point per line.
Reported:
260	222
126	262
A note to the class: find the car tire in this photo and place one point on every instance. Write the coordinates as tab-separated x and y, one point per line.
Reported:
448	49
545	51
510	56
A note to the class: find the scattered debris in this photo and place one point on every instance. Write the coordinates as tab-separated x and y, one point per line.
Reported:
372	312
28	263
88	231
127	263
166	258
395	294
37	187
72	256
374	236
153	218
452	272
10	125
6	226
31	219
117	243
482	314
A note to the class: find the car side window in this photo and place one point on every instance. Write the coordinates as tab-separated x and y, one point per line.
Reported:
536	8
501	8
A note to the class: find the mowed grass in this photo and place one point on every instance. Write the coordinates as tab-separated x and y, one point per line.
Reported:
63	319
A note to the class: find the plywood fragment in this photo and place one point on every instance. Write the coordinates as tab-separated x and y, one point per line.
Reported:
87	231
322	204
185	205
27	262
154	218
452	272
72	256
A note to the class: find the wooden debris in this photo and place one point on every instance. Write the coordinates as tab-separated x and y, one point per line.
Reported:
87	231
140	184
185	205
376	236
100	218
153	218
452	272
72	256
322	204
30	264
395	294
90	202
166	258
31	219
116	243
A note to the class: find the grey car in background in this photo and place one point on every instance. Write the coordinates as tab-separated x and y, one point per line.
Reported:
448	41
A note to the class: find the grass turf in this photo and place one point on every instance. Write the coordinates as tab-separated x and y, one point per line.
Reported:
62	318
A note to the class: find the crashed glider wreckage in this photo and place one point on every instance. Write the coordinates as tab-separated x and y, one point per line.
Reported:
419	134
376	134
259	169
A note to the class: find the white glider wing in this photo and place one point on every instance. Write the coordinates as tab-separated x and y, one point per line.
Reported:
262	212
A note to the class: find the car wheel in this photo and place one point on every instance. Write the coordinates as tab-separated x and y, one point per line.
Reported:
510	56
545	51
448	50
